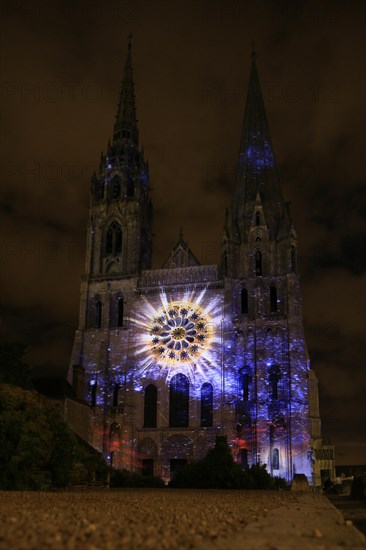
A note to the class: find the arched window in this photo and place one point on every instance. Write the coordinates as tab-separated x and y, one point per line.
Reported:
275	459
150	406
118	239
113	240
273	299
293	259
116	188
244	301
257	218
93	392
116	388
120	311
245	380
179	401
274	375
98	314
109	241
258	263
206	405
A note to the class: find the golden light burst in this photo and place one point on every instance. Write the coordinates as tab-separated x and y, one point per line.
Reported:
180	332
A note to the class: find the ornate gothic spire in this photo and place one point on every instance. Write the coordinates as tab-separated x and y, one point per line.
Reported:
125	127
256	172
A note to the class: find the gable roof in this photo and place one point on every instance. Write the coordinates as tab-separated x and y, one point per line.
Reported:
181	255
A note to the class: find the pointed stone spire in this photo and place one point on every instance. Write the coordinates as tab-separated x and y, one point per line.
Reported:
125	127
256	172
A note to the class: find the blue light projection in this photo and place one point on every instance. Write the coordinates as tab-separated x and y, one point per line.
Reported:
187	333
260	156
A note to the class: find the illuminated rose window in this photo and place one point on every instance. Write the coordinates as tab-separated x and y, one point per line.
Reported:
180	333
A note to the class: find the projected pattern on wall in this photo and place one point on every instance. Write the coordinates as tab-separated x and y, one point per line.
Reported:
169	358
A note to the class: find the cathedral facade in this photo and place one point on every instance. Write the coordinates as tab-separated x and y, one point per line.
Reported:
170	358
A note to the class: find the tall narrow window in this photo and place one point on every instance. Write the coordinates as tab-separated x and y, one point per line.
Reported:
120	311
117	240
113	239
245	380
244	301
293	259
93	392
257	218
98	314
116	188
115	395
274	377
206	405
275	459
150	406
179	401
109	241
258	263
273	299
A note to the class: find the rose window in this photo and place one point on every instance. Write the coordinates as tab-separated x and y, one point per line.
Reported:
180	333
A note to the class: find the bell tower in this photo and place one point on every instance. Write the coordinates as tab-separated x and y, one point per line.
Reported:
119	248
269	356
119	232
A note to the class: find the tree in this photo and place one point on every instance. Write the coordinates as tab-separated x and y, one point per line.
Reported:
218	470
25	440
12	368
64	450
37	448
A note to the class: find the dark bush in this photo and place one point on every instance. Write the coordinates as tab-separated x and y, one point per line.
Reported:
25	440
218	470
124	478
64	447
38	450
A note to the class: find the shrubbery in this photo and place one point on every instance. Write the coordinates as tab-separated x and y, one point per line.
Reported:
218	470
124	478
38	450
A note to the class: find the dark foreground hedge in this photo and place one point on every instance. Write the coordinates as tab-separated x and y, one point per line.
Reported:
124	478
218	470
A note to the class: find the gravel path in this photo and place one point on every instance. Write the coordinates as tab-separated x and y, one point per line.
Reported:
137	518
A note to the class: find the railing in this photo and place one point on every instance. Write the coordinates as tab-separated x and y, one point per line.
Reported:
203	275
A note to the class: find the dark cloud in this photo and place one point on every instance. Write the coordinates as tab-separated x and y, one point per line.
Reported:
61	67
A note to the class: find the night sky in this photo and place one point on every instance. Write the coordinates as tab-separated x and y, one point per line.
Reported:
61	66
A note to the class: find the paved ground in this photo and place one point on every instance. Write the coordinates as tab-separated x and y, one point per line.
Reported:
173	519
352	510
